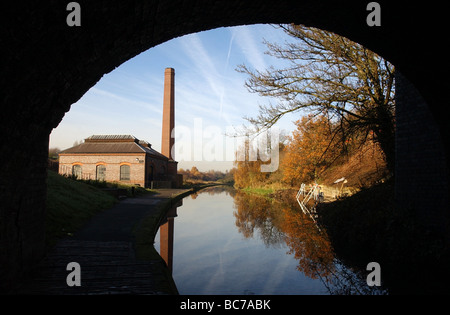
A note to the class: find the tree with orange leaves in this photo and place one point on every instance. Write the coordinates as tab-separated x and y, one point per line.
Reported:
248	173
312	148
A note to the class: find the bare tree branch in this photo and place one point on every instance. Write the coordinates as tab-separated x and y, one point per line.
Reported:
330	74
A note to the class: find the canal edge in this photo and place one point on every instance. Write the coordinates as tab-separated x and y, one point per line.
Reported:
147	230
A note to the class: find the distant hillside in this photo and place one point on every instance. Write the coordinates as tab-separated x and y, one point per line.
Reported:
70	204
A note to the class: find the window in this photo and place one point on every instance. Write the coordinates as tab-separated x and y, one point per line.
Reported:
125	172
76	170
101	172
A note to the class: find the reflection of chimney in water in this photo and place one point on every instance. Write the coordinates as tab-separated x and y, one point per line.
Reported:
166	240
168	122
166	237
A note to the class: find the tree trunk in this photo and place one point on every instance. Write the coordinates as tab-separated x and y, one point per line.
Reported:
385	136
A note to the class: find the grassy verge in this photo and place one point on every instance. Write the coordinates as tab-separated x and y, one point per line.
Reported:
258	191
70	204
265	189
271	192
131	190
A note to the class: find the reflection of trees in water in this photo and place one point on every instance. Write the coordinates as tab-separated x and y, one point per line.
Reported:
257	213
308	245
279	222
215	190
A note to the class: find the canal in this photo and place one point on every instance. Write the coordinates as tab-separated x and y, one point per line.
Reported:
221	241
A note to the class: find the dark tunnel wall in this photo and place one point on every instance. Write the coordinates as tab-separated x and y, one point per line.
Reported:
47	66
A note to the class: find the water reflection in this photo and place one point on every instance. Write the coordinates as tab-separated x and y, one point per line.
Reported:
166	233
257	213
210	259
281	221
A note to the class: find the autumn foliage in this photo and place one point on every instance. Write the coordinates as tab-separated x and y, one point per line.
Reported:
311	150
317	151
248	173
194	174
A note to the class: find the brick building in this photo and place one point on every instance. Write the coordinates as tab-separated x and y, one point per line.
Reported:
126	159
119	158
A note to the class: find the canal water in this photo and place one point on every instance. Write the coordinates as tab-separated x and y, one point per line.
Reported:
220	241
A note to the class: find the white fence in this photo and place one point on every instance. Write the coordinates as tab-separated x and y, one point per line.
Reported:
304	196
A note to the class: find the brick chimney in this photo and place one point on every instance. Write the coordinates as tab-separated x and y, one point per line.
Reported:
168	122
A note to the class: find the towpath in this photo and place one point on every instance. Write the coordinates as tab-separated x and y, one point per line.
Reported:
104	250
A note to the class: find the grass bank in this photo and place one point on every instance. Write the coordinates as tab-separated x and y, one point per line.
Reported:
258	191
270	191
70	204
128	190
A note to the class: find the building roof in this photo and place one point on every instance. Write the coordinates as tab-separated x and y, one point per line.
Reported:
110	138
102	144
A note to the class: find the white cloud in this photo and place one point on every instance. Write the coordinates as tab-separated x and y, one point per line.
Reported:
193	47
250	46
129	99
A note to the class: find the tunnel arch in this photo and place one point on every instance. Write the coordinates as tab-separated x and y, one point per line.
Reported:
48	66
73	59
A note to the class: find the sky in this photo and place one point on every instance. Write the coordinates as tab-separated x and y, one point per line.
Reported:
210	97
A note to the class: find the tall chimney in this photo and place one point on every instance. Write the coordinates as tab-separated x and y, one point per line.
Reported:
168	122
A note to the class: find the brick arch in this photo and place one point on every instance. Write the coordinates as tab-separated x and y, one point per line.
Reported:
47	66
70	60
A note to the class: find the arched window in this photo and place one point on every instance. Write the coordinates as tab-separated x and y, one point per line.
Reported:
150	173
101	172
76	170
125	172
